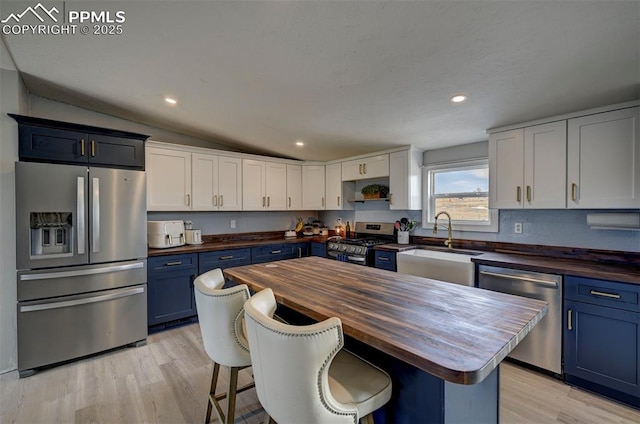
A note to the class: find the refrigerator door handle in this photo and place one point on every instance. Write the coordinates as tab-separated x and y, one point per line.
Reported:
95	243
83	301
81	272
80	215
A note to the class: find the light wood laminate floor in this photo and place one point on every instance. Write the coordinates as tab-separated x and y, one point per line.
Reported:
167	382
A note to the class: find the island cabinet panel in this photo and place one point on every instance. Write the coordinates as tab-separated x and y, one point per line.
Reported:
602	337
170	284
223	259
385	260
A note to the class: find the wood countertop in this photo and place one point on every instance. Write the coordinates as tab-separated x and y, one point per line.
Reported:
625	273
238	244
457	333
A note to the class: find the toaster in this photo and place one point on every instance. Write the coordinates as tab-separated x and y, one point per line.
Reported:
163	234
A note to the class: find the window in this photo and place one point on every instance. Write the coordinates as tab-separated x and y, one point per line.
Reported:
462	190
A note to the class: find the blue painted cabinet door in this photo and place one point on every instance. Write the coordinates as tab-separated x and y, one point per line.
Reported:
385	260
105	150
170	288
602	345
318	249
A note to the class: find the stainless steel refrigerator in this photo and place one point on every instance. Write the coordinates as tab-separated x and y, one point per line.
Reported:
81	248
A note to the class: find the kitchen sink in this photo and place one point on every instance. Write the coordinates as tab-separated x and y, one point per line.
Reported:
450	265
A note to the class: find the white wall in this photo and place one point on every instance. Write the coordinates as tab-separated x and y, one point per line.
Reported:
41	107
13	99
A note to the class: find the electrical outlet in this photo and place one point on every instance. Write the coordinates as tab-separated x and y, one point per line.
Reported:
517	228
232	223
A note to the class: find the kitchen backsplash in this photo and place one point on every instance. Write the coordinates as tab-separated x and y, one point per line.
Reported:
544	227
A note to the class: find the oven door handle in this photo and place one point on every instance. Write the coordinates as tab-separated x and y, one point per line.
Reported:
82	301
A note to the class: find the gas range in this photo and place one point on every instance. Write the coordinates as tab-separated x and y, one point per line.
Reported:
360	250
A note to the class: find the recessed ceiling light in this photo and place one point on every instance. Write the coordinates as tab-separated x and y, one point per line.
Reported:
299	143
170	100
458	98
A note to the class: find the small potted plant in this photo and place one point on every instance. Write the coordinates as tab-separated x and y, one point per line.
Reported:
374	191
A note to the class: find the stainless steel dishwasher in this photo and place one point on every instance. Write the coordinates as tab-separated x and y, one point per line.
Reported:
542	347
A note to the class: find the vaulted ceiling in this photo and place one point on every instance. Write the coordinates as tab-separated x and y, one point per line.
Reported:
345	77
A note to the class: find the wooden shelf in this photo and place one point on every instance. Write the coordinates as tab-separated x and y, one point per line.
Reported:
382	199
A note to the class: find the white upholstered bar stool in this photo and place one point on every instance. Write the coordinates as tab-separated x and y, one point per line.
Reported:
221	315
303	375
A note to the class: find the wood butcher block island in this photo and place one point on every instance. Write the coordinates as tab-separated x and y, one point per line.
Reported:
444	341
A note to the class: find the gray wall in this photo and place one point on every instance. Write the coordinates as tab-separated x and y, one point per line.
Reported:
13	99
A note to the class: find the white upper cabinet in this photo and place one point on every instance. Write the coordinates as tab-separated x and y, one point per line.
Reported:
333	187
264	185
313	187
294	187
405	180
527	167
168	179
230	184
253	185
216	183
370	167
204	182
545	166
276	186
604	160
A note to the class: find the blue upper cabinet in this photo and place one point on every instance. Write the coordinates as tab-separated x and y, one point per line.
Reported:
43	140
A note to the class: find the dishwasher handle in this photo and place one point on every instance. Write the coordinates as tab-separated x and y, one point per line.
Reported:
550	284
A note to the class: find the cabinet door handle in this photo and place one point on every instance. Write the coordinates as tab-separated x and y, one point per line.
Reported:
299	252
215	200
519	194
93	148
569	320
188	197
226	258
323	202
173	263
529	194
289	201
360	169
603	294
574	191
364	168
275	252
221	200
268	201
391	198
383	259
82	152
338	200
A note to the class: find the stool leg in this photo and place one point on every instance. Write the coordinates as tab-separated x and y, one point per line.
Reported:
367	419
231	394
212	391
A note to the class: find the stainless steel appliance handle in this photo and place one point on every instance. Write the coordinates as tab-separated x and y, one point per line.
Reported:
95	236
80	224
81	272
517	277
83	301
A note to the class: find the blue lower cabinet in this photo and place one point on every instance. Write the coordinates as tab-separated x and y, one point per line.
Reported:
319	249
278	252
170	288
602	337
385	259
223	259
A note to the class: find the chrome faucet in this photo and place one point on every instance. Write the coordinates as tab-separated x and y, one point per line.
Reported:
448	242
